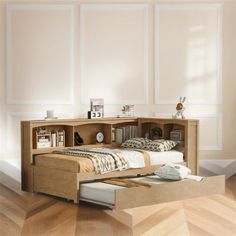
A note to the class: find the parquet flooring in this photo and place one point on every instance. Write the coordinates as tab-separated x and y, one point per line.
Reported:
29	214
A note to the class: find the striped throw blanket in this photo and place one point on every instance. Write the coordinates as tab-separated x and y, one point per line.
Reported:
103	160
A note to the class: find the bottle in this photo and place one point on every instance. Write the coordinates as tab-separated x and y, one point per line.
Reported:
54	138
113	136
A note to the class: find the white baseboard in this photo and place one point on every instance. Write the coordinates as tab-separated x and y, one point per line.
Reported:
217	167
10	170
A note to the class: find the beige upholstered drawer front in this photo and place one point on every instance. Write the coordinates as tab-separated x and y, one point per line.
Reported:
118	197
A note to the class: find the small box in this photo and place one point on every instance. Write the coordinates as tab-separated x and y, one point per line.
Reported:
43	144
177	135
42	139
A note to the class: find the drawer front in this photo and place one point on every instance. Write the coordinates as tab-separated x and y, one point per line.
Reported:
159	192
174	191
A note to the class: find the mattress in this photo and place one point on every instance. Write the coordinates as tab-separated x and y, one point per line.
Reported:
159	158
99	192
82	164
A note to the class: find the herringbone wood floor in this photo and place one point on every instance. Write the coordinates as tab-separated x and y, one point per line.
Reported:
28	214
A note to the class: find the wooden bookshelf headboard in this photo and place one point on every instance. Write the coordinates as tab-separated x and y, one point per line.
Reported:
88	128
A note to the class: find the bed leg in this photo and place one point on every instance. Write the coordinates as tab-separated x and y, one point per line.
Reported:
76	199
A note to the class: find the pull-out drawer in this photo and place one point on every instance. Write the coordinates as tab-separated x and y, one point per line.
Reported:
160	191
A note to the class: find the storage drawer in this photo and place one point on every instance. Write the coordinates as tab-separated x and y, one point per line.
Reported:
160	191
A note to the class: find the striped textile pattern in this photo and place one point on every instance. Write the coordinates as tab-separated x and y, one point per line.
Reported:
103	161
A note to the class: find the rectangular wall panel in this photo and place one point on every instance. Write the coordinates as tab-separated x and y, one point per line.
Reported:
114	53
188	53
13	135
40	54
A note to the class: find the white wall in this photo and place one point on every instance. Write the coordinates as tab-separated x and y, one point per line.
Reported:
62	53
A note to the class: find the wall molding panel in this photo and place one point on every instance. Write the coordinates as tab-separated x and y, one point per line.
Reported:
163	13
128	60
13	136
217	146
47	57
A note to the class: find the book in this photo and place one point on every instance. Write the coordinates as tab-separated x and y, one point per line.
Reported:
125	133
119	135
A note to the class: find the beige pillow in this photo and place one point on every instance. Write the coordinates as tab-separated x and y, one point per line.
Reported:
135	143
160	145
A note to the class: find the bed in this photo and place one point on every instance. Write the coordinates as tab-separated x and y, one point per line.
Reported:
136	159
61	175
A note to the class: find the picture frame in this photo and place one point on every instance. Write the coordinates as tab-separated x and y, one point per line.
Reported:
97	105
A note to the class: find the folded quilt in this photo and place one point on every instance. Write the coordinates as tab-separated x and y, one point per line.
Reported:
103	161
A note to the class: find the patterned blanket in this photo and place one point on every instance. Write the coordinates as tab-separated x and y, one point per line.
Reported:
103	161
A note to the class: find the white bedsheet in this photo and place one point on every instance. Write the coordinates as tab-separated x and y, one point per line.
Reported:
159	158
135	158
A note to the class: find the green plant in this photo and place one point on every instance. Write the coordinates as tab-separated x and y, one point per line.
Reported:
157	131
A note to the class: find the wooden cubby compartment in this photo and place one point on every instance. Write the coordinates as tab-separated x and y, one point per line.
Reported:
67	129
166	129
171	127
148	127
127	131
88	132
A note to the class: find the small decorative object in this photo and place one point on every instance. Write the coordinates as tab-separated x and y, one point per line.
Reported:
177	135
77	139
156	133
54	138
94	114
50	115
60	138
97	104
99	137
180	109
42	138
128	110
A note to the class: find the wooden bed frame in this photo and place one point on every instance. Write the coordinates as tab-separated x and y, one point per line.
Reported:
66	184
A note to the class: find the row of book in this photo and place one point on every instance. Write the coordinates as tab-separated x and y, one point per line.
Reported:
119	135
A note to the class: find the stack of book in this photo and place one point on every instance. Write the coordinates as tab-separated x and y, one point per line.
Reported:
125	133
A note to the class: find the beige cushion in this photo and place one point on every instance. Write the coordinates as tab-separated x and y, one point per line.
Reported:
135	143
160	145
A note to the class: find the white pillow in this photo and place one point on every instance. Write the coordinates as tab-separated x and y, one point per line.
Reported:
172	171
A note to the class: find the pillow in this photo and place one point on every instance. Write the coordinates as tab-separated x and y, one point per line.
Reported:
172	172
135	143
160	145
